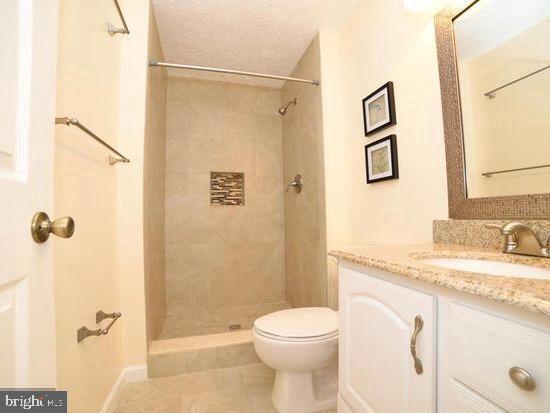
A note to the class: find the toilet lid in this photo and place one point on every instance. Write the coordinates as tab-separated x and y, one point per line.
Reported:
299	323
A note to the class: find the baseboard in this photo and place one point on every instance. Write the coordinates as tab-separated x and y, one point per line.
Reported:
343	406
127	375
135	373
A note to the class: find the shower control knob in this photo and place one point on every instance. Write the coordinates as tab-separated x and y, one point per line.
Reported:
42	227
296	183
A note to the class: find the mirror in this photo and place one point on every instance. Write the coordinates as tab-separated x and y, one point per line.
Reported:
502	52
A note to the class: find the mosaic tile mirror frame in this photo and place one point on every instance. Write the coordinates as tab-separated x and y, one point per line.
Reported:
533	206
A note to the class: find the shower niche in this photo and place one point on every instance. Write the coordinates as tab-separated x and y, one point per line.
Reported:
227	188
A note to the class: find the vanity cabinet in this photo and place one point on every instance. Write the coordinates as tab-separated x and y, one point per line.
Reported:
467	352
377	371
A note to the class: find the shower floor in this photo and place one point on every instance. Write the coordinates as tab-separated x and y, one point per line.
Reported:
216	321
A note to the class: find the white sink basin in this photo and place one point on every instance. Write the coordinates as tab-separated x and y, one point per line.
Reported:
503	269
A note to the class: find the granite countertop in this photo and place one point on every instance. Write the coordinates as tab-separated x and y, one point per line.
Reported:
529	294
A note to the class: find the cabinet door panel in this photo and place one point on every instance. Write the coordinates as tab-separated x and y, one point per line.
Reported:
377	372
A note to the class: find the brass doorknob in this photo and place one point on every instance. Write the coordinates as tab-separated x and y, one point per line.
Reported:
41	227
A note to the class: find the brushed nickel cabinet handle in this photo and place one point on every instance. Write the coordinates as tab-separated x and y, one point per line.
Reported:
418	324
42	227
522	379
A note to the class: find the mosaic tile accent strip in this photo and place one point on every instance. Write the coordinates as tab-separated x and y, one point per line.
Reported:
226	188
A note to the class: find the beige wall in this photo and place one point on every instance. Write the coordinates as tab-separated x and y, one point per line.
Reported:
102	81
130	212
305	230
380	42
220	257
511	130
86	189
154	165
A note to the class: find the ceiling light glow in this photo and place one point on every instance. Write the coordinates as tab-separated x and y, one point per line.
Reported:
433	6
416	6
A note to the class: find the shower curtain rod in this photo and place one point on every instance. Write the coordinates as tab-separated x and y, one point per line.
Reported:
232	72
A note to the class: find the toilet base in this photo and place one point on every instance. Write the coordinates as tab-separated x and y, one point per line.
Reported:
293	392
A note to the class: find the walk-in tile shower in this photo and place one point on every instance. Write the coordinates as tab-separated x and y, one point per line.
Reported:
224	213
237	243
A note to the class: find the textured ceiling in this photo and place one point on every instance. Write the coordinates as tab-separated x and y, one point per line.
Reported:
490	23
253	35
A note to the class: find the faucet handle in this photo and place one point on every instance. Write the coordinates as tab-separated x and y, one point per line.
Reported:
504	229
521	239
510	236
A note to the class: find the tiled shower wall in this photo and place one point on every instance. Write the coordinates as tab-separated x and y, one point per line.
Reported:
153	189
305	224
222	261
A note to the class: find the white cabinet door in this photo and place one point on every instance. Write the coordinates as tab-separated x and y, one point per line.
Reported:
377	372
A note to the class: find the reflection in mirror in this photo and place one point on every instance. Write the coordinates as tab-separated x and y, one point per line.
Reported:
503	58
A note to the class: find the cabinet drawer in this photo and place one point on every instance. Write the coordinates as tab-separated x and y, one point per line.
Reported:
463	400
484	347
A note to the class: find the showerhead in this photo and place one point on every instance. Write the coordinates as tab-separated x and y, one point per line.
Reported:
282	110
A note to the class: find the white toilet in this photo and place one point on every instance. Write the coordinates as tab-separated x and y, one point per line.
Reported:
295	343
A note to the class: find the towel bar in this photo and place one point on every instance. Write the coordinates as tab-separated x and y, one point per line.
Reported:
76	122
85	332
115	30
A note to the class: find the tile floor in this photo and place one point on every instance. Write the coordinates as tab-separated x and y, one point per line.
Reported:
245	389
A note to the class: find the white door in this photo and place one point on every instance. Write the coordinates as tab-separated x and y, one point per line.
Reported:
28	35
377	373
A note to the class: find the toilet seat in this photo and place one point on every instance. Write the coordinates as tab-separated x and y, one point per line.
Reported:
299	325
296	339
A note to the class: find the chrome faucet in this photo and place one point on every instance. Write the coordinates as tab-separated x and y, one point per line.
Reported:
520	239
